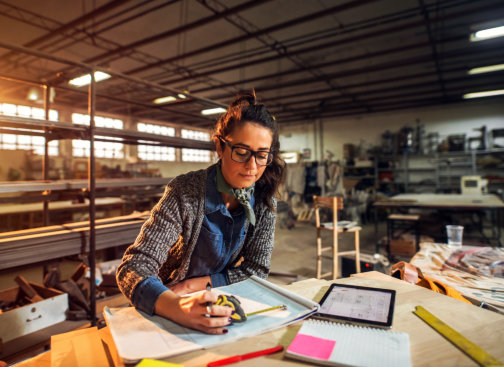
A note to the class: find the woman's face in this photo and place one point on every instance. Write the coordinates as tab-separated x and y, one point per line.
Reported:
252	136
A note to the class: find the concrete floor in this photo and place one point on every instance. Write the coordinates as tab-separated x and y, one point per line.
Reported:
295	250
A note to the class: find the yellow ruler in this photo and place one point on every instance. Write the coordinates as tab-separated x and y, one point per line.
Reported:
460	341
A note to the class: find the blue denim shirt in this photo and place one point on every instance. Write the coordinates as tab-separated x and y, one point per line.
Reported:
220	236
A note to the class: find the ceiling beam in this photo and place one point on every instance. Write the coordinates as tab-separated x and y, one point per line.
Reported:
349	28
398	94
493	77
386	102
432	42
173	32
95	35
364	56
352	39
482	49
63	28
290	23
88	68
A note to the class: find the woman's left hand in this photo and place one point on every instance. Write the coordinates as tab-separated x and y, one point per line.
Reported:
190	285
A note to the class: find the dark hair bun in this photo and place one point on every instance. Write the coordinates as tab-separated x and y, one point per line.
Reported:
244	99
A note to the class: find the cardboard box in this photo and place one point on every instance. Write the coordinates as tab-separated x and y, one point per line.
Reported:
34	316
405	245
402	247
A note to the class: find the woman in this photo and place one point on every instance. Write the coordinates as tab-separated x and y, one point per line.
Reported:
212	226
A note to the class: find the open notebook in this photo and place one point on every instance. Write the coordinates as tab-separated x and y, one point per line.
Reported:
335	344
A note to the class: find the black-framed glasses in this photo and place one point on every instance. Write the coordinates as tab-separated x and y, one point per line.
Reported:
241	154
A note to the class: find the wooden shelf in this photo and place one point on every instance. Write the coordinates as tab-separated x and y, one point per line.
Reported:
60	185
54	242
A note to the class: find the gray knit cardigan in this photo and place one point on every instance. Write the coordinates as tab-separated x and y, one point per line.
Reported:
167	239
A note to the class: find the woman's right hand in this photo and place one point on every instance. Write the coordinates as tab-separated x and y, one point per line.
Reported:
192	311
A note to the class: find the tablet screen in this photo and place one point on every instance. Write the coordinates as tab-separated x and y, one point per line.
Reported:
362	305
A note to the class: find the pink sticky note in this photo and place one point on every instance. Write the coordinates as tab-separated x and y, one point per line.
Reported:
312	346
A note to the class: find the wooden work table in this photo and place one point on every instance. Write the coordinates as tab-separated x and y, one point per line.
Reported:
443	201
454	203
428	348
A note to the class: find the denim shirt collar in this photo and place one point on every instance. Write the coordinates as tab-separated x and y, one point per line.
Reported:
213	199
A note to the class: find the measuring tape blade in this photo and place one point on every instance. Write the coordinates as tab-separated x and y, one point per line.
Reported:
465	345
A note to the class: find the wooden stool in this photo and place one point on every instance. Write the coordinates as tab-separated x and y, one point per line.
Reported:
335	203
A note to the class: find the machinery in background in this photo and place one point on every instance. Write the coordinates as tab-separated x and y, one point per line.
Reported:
473	185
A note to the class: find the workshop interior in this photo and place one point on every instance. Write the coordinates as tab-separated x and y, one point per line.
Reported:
389	118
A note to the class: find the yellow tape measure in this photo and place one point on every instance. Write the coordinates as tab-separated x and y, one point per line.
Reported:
465	345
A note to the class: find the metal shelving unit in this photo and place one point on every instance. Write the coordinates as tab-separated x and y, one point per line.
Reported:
446	168
51	130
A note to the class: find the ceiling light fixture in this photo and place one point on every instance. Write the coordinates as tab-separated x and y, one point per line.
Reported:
86	79
485	34
486	69
213	111
165	99
489	93
181	96
33	94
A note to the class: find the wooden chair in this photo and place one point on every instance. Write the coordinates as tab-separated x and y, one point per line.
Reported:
335	203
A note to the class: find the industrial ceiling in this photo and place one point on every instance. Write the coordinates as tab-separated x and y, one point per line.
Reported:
306	60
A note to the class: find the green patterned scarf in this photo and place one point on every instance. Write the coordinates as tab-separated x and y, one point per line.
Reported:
242	195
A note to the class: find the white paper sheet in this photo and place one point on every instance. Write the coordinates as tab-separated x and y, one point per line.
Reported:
138	335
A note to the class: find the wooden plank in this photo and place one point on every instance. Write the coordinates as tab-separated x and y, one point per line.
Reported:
44	185
67	206
328	202
74	225
28	290
38	247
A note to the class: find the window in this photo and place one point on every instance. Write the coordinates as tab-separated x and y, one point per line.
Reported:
103	149
27	142
153	152
195	155
290	157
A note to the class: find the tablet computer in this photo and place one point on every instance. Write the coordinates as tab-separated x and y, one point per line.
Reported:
358	305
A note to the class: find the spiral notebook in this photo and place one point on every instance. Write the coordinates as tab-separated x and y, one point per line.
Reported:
335	344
